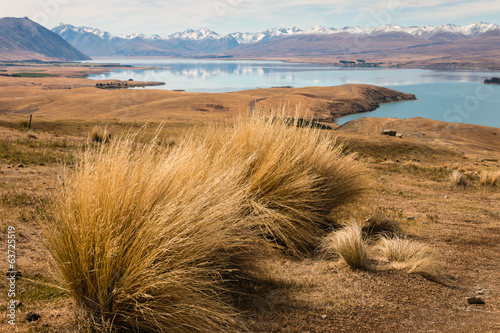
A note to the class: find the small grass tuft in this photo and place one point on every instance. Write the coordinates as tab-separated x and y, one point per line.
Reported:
348	242
413	256
489	178
99	134
457	179
378	225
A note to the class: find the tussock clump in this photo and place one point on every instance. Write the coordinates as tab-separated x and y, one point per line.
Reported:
378	225
99	134
293	178
489	178
411	255
142	239
348	243
457	178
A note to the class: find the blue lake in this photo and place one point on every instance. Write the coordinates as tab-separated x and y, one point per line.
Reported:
455	96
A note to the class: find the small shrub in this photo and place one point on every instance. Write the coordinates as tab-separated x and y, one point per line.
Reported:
415	257
489	178
99	134
348	243
457	178
24	125
433	218
378	225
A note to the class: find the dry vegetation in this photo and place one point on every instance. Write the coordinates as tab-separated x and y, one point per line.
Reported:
163	225
489	178
458	179
144	236
348	242
413	256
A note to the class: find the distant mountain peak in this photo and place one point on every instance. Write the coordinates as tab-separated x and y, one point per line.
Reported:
206	41
191	34
426	32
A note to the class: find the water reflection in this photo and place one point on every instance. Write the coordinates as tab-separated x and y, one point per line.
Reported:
223	76
438	91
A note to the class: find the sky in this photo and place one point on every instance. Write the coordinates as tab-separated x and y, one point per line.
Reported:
224	16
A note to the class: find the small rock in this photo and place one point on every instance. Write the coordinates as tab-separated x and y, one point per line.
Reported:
475	300
480	292
446	197
20	166
32	316
410	218
389	132
399	135
323	316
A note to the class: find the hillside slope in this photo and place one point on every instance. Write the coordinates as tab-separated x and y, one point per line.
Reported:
23	39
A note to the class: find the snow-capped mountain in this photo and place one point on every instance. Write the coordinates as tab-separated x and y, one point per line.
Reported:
191	34
68	28
425	32
98	43
205	41
269	34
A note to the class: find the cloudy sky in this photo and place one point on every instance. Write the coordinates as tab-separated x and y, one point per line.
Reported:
165	17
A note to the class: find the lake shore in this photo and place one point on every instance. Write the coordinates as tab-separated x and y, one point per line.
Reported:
69	96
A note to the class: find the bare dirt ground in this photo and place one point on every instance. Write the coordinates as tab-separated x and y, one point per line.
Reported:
409	183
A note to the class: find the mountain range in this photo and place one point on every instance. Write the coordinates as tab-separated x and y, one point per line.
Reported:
271	42
471	46
23	39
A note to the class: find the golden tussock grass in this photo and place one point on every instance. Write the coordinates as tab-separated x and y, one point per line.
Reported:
141	239
293	180
489	178
378	225
457	178
144	237
348	242
412	256
99	134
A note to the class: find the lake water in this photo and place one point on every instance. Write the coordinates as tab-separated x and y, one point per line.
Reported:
455	96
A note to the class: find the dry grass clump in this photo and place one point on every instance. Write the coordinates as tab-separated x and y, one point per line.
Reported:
378	225
457	178
293	178
348	242
99	134
413	256
142	239
489	178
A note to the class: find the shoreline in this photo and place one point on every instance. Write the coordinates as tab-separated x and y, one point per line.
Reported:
70	95
380	63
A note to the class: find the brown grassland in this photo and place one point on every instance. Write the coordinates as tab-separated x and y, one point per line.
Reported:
447	238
